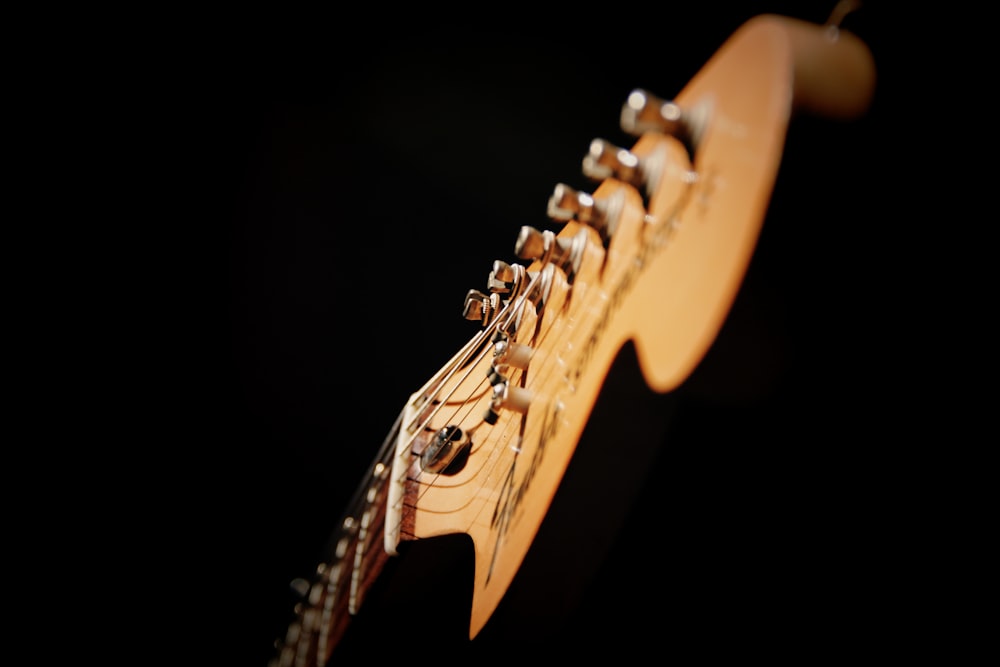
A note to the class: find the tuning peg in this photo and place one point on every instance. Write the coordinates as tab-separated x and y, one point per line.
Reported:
530	244
475	304
605	160
480	307
645	112
566	204
504	271
533	244
502	278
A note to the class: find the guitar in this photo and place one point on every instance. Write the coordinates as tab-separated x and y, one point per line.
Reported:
651	258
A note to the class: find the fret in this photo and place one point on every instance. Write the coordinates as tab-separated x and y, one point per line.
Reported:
369	556
339	584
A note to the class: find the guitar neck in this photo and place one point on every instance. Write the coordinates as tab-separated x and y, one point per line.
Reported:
355	560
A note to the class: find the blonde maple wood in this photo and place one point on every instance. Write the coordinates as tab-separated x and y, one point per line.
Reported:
666	281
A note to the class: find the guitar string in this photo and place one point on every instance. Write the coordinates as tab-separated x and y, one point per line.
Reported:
506	316
670	223
477	346
435	385
558	338
335	583
496	459
329	573
340	579
660	237
538	340
511	312
655	239
427	482
584	320
512	309
335	579
432	391
461	360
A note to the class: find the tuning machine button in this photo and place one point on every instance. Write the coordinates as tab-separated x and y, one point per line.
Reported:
606	160
645	112
479	306
567	204
534	244
502	278
506	279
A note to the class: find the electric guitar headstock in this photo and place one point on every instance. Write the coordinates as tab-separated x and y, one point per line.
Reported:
653	255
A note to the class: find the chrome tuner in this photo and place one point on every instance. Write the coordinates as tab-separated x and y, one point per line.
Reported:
567	204
479	306
605	160
645	112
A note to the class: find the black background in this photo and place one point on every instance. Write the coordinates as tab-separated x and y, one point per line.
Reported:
333	188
